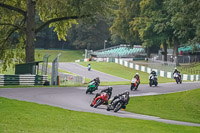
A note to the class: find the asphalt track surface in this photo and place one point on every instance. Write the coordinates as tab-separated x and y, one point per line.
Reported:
74	98
83	71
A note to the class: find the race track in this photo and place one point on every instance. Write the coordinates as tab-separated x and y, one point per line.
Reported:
74	98
82	71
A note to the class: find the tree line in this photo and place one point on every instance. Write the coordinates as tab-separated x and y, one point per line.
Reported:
26	24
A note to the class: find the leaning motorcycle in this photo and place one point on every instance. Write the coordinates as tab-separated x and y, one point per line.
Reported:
134	84
153	80
177	77
103	98
117	104
91	87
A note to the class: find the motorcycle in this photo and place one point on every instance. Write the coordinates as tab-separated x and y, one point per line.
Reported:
177	77
103	98
89	68
117	104
134	84
91	87
153	80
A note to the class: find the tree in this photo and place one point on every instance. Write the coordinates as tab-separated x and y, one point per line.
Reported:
126	11
145	24
89	36
18	16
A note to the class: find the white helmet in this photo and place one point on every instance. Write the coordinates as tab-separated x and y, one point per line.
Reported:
137	74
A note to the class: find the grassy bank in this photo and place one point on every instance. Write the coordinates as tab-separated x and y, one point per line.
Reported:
66	56
182	106
123	72
18	116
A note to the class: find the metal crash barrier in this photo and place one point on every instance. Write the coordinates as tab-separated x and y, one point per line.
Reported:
22	79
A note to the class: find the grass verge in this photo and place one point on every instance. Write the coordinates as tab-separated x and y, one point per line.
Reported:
66	56
19	116
181	106
123	72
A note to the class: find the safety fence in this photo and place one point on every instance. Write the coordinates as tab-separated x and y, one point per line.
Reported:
22	79
70	79
161	73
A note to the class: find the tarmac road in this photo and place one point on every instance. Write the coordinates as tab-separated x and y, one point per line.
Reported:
74	98
83	71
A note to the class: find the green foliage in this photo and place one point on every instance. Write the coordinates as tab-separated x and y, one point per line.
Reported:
181	106
184	19
19	116
127	10
90	36
58	14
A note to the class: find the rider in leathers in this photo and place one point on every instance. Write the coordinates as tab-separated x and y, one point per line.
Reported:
97	82
126	93
108	91
176	71
138	78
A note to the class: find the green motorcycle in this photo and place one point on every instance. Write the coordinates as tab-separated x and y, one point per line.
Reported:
91	87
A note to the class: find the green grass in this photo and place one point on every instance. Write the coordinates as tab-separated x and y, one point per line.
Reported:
66	56
192	69
19	116
182	106
123	72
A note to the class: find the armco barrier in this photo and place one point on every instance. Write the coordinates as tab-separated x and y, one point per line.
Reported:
148	70
159	72
22	79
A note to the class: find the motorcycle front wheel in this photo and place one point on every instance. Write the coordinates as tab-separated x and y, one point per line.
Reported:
117	107
132	86
99	101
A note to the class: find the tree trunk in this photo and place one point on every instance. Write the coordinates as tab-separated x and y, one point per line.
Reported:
176	51
175	47
165	50
30	31
148	52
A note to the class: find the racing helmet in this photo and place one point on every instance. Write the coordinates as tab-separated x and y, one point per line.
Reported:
110	88
127	92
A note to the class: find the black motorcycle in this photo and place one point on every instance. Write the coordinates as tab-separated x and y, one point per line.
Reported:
177	77
153	80
117	104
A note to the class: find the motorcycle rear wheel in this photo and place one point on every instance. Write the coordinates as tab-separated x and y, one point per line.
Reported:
86	91
108	108
156	83
132	87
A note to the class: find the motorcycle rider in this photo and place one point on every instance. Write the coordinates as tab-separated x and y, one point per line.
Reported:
126	94
152	73
89	67
107	91
97	82
137	77
176	71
